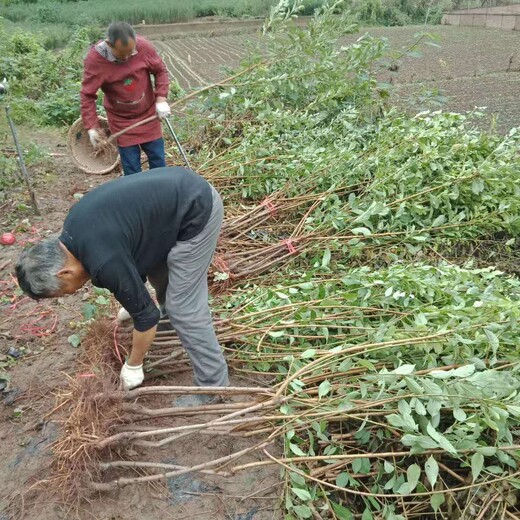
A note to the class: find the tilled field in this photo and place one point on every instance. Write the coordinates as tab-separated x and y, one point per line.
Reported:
471	66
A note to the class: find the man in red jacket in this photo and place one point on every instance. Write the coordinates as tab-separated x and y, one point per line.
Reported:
122	66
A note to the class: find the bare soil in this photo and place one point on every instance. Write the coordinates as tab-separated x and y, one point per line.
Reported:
470	66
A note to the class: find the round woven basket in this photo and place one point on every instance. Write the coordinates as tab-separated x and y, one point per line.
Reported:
82	153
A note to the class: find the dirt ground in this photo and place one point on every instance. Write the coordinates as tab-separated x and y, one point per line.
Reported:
38	359
471	67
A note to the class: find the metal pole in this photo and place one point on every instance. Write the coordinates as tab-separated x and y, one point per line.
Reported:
177	142
23	169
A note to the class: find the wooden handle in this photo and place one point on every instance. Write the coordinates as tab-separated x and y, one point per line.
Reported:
131	127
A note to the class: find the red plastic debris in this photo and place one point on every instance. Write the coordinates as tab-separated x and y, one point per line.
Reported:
7	239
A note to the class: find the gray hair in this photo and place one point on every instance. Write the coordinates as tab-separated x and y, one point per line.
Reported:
38	266
120	31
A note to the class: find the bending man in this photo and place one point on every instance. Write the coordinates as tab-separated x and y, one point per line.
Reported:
163	225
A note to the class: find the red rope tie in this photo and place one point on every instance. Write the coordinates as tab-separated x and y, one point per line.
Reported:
290	246
221	264
86	375
267	203
116	346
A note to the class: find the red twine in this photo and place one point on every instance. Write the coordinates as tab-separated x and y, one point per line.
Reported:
116	346
221	264
290	246
267	203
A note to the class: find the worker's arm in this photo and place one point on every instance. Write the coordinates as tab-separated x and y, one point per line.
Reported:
132	374
88	95
120	277
141	343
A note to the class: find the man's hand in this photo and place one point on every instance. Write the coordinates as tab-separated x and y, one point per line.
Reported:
162	107
131	377
96	136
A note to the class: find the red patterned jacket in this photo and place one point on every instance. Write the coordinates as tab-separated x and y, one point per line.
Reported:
129	92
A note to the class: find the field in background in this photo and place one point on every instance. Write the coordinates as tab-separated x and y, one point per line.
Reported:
56	20
471	67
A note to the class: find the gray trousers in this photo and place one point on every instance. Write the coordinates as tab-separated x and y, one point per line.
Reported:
181	286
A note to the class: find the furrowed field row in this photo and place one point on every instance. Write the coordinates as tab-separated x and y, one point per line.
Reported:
470	66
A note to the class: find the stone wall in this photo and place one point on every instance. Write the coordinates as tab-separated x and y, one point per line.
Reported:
505	17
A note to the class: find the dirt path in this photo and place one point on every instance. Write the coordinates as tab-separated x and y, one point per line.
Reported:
38	359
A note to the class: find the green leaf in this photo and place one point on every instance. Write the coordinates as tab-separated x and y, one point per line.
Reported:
459	414
390	484
487	451
389	468
464	371
89	311
492	338
297	479
477	186
419	408
431	468
439	221
302	511
404	370
413	473
367	515
309	353
74	340
437	500
404	407
441	374
302	494
296	450
361	231
404	489
324	388
419	441
342	512
444	443
276	333
420	319
357	464
496	470
477	463
342	479
326	258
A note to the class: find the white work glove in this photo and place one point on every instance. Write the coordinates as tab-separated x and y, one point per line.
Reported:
131	377
96	137
163	109
123	315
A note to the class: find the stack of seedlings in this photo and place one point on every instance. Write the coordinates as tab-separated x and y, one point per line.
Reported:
384	364
393	390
